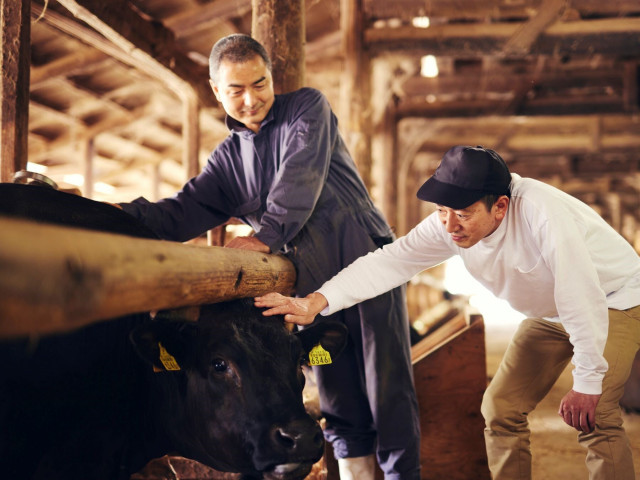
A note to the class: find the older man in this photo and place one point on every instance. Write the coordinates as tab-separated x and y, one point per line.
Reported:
285	171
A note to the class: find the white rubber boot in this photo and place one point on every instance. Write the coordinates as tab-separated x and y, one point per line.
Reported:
357	468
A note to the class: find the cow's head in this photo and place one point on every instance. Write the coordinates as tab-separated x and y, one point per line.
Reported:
230	388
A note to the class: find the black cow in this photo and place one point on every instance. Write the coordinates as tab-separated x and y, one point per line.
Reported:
100	402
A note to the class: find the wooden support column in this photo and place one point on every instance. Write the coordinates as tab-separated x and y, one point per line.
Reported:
156	178
389	138
15	61
355	88
279	26
190	134
88	168
631	83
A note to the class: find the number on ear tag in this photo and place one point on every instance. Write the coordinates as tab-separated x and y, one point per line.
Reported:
319	356
167	359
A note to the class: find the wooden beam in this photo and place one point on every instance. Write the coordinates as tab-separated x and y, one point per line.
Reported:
520	43
325	47
82	133
279	26
585	37
495	9
14	87
77	276
560	106
66	65
205	17
52	113
502	80
132	40
631	81
521	90
64	84
539	135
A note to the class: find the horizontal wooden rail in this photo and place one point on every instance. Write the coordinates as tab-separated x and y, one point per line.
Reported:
55	278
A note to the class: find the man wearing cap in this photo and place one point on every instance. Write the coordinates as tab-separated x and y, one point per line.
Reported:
554	259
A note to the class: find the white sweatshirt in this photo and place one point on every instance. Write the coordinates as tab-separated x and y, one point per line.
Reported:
551	257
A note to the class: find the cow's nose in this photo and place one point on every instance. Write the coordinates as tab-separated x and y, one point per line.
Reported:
298	436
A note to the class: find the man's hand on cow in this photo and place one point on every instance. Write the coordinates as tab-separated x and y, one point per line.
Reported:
301	311
248	243
579	410
113	205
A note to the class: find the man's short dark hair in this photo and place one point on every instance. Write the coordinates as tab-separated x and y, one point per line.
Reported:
490	200
236	48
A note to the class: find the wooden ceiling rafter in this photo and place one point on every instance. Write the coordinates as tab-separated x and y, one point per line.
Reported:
66	65
543	135
501	80
522	40
84	134
470	10
62	117
113	37
89	95
583	37
193	21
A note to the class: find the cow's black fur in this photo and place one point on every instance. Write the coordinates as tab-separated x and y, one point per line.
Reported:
88	404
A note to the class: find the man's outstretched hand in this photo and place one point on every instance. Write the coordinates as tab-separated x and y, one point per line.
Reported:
300	311
579	410
248	243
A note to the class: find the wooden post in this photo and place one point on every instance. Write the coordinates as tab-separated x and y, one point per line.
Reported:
75	277
355	87
279	26
15	61
388	133
156	179
630	80
190	134
88	167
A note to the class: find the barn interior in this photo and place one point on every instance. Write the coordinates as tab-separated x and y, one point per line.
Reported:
111	100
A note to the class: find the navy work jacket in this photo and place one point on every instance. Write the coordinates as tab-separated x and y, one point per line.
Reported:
293	182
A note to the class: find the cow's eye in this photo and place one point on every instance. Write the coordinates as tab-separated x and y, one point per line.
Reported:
303	361
219	365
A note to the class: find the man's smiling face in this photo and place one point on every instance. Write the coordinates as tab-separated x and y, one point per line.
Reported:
245	90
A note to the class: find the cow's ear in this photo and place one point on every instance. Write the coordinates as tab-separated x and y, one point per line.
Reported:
164	345
331	335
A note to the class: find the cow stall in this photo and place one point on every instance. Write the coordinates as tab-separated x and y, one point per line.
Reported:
58	278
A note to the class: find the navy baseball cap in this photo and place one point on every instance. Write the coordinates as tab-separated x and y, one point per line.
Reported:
464	176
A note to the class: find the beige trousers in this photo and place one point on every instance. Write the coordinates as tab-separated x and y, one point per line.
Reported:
535	358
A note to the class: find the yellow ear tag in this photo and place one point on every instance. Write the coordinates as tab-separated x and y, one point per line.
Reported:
167	359
319	356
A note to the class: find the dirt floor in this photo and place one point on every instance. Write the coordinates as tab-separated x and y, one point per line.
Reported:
555	450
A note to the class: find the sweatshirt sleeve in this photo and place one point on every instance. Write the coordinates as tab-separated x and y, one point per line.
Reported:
388	267
580	301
